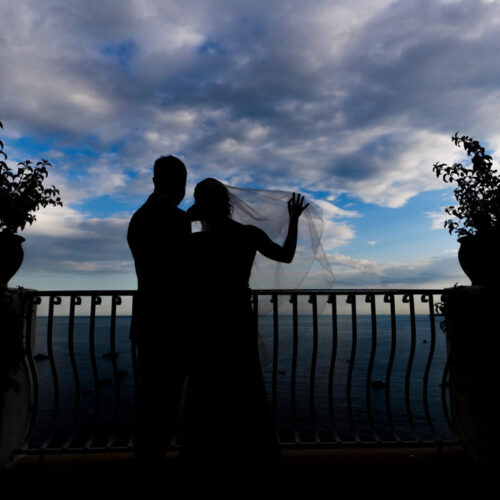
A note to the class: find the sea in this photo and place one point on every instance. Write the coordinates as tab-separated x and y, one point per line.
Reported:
323	405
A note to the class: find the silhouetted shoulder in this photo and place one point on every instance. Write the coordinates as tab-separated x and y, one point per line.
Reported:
256	234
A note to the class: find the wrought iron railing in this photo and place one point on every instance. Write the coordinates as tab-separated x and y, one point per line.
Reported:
342	367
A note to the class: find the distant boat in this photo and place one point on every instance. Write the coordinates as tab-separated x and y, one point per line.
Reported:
110	355
378	384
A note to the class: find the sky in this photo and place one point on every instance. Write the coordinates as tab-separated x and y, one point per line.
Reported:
349	102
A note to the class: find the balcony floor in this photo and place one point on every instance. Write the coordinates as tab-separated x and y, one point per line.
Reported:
394	473
293	459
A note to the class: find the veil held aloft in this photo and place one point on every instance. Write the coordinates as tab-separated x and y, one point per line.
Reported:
268	210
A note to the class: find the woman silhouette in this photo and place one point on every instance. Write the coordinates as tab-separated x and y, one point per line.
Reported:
226	411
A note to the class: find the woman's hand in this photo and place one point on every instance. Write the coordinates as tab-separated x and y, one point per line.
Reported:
296	206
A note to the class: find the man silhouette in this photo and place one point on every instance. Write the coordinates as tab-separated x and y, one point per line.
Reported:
157	237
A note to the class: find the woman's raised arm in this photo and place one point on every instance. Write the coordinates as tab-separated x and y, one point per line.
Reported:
284	253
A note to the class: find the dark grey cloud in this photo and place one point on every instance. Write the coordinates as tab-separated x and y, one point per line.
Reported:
275	90
420	273
95	246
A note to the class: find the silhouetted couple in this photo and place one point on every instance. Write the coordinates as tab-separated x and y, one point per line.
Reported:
192	317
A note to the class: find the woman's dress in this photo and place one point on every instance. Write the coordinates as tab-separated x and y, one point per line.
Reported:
226	415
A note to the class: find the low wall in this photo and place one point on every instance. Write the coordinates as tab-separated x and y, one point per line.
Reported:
16	316
472	326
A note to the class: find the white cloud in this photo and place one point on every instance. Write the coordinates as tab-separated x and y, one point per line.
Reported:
57	221
331	211
438	219
336	234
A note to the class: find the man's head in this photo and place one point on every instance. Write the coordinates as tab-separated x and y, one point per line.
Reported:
170	177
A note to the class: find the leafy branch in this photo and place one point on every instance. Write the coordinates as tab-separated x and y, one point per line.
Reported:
22	192
477	192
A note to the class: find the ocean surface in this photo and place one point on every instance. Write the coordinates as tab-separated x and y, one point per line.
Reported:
104	413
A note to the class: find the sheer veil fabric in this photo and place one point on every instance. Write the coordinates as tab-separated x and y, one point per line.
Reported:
268	210
310	268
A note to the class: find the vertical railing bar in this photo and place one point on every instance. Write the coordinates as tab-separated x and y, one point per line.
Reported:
409	298
31	301
444	389
115	300
255	304
445	399
390	298
274	391
351	299
332	299
74	300
430	358
94	301
293	396
133	351
50	351
371	299
312	380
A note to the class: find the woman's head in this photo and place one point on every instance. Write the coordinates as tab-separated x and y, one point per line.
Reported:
211	201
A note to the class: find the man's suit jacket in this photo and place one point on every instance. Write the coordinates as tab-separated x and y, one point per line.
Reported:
158	236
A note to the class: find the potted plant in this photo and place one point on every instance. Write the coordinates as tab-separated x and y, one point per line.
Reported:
22	193
478	211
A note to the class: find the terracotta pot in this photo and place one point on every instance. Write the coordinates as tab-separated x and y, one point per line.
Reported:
478	256
11	256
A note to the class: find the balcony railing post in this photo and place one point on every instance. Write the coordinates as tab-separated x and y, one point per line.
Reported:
332	299
389	298
312	379
351	299
370	298
75	300
53	301
430	300
95	300
410	299
115	301
293	397
274	391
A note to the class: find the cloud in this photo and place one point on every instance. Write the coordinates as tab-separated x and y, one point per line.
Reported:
90	248
438	219
357	97
331	211
436	272
76	244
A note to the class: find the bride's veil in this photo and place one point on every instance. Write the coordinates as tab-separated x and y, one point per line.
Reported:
268	210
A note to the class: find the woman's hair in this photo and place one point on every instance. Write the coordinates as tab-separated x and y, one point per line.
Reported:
211	200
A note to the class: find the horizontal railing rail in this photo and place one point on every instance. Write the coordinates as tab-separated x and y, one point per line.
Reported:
343	368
